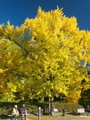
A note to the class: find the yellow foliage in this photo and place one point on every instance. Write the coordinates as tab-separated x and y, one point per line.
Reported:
73	96
44	56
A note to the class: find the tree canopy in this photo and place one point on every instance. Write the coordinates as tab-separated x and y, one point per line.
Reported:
45	56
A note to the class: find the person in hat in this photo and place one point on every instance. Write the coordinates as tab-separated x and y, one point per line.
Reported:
15	112
23	111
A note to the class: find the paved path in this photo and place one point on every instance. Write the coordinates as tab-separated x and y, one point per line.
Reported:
73	118
68	118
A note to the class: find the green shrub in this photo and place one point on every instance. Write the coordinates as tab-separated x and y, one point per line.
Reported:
69	107
3	111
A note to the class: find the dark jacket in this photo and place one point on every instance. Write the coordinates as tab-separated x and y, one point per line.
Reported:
23	110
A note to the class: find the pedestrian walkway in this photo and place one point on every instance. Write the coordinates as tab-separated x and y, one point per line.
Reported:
66	118
72	118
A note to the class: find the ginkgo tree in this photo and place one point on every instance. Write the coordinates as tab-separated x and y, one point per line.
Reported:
44	55
59	49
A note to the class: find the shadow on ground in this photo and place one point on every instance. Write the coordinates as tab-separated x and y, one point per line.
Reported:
3	117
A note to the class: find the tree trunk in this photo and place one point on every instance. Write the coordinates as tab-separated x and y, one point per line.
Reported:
51	106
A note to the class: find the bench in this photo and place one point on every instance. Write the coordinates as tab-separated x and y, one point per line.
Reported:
82	111
10	116
19	117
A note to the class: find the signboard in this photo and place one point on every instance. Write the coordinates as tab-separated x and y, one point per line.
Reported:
81	110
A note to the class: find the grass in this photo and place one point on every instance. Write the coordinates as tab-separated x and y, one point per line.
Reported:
48	117
59	117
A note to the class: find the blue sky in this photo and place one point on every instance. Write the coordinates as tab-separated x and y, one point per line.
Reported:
18	10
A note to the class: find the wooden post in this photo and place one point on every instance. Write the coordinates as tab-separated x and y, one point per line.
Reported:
39	113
